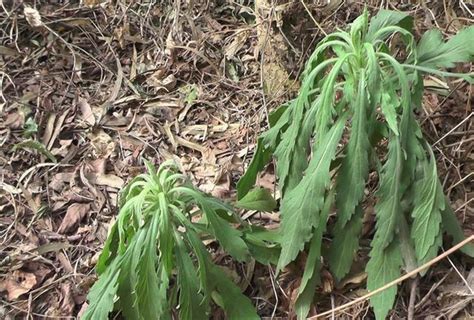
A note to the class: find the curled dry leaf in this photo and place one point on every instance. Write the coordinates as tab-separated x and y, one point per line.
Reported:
74	214
86	110
32	16
18	283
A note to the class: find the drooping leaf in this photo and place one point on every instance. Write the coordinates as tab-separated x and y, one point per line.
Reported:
228	237
313	263
301	206
385	18
149	300
434	53
451	226
345	244
259	199
191	304
261	157
355	166
389	195
428	204
382	268
101	296
236	305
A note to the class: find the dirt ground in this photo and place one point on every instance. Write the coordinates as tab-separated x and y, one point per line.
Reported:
89	89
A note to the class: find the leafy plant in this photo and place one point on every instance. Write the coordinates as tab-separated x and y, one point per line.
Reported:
355	114
154	262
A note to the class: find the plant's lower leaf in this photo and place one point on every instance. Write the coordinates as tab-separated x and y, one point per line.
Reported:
149	299
345	244
259	199
301	206
229	238
382	268
235	304
451	226
191	301
428	204
431	253
313	263
261	158
101	295
355	166
389	197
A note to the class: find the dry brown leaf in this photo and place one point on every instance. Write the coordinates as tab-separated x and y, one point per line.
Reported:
74	214
32	16
18	283
86	110
238	42
109	180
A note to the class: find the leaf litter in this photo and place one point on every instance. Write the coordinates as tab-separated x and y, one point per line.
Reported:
98	87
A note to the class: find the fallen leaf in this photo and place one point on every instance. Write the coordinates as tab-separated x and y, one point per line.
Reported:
32	16
109	180
18	283
86	110
74	214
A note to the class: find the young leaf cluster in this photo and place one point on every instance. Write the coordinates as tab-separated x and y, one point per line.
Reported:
355	114
154	263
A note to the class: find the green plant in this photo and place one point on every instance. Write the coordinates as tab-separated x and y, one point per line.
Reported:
154	262
355	114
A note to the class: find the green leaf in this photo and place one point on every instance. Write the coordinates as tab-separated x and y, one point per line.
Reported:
433	52
236	305
382	268
149	299
259	199
301	206
191	304
388	106
261	157
38	146
451	226
355	166
345	244
389	194
428	204
385	18
313	263
101	295
228	237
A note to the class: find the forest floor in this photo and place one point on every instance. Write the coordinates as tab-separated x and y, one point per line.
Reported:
88	90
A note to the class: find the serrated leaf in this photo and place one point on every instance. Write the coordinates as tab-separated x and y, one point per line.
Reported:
433	52
236	305
301	206
191	301
452	227
101	295
385	18
355	166
428	204
150	302
311	277
345	244
228	237
261	157
382	268
259	199
388	106
389	196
